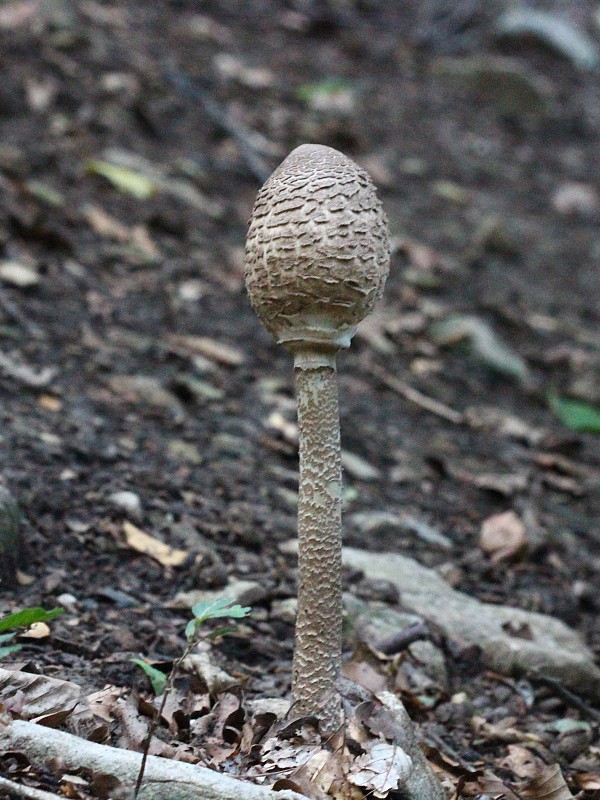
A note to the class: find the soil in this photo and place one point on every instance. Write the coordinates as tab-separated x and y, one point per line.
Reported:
206	99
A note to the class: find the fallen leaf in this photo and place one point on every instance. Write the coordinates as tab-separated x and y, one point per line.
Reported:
521	761
126	180
49	403
382	769
37	697
39	630
209	348
215	679
102	703
548	785
484	343
144	543
552	31
503	536
575	415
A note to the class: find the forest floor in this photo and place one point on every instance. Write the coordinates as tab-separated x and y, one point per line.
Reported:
133	139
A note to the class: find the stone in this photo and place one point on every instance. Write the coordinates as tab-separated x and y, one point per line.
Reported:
553	649
129	502
242	592
503	83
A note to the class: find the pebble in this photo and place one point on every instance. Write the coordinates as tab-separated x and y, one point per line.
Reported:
129	502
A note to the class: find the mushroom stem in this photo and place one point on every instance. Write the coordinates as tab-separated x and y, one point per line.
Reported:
318	651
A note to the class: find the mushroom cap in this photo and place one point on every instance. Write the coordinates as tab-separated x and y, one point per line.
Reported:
317	251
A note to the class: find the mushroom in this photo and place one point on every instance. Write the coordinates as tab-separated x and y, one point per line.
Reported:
317	256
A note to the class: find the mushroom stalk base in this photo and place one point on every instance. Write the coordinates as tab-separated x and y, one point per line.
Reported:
318	646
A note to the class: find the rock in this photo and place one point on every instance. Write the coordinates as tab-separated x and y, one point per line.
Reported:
432	662
243	592
551	647
358	468
183	451
285	610
547	29
129	502
374	622
20	275
503	83
574	199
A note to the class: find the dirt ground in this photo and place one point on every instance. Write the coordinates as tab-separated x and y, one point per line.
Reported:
135	363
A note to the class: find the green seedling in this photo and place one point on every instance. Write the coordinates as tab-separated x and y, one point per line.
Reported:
20	620
204	611
575	415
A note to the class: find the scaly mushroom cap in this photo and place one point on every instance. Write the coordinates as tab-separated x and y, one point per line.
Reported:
317	252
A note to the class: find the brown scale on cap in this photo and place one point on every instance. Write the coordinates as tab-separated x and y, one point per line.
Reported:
317	252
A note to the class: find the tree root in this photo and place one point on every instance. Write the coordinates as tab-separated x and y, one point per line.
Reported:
423	783
163	778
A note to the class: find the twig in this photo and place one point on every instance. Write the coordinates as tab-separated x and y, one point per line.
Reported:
243	136
14	313
164	777
399	641
567	695
154	723
417	397
28	792
25	375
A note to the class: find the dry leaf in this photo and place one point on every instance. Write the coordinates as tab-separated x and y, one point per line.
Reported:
548	785
503	536
209	348
213	677
382	769
37	697
39	630
144	543
522	762
102	703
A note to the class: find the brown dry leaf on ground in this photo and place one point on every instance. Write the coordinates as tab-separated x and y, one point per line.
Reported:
37	697
382	769
548	785
142	542
503	537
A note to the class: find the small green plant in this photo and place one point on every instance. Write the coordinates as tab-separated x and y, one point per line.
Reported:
576	415
21	619
204	611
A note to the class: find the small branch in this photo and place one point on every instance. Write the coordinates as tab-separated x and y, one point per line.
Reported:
25	375
568	696
418	398
164	778
399	641
28	792
244	137
14	313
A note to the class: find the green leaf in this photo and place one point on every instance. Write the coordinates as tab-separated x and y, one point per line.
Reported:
326	88
6	651
575	415
126	180
25	618
221	632
214	609
157	678
6	637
